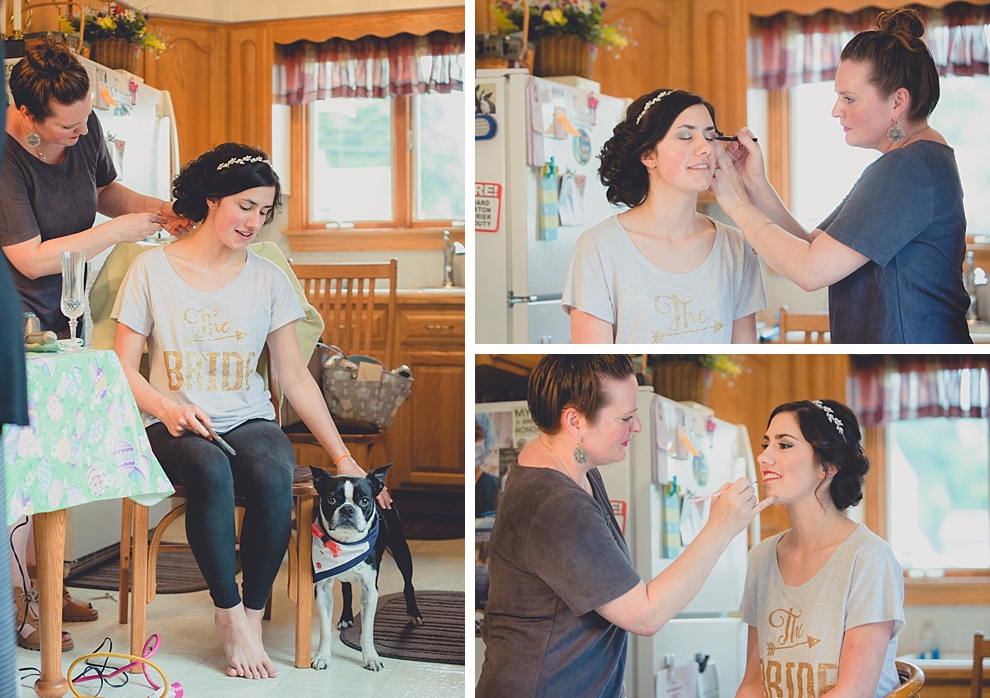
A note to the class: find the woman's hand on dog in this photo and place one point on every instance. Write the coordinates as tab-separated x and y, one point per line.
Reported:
349	466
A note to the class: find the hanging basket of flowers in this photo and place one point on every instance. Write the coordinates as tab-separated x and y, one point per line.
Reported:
566	33
116	36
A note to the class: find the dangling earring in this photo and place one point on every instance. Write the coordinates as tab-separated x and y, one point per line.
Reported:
32	138
895	134
580	455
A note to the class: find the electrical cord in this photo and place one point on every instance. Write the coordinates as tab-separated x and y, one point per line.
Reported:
150	647
28	596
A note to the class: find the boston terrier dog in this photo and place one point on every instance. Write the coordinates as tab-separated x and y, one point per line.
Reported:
348	543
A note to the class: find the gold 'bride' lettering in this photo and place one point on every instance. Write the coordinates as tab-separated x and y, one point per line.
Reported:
186	368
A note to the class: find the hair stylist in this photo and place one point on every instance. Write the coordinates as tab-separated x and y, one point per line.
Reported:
892	252
564	592
57	174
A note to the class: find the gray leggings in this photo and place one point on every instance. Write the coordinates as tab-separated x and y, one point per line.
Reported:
261	472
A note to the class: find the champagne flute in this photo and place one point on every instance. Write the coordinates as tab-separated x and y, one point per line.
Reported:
73	294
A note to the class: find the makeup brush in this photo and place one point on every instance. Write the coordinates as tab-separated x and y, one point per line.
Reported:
733	138
709	496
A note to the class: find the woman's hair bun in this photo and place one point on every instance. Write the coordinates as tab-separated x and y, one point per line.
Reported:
903	23
50	58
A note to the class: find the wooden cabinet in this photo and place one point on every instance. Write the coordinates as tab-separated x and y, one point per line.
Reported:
696	45
426	441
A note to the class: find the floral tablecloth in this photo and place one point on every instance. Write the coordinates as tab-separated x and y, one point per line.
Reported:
86	441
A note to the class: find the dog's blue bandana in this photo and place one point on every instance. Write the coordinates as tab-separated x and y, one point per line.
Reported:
332	557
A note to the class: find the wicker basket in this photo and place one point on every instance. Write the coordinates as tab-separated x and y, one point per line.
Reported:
563	54
682	381
115	53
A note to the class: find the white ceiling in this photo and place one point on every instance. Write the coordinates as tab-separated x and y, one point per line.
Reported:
258	10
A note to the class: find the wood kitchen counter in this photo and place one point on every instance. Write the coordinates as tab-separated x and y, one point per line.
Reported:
950	678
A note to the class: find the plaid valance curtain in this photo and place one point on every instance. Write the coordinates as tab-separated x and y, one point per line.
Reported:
886	389
789	49
371	66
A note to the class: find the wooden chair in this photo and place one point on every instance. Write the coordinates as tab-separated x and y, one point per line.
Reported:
912	679
355	309
139	558
814	324
981	650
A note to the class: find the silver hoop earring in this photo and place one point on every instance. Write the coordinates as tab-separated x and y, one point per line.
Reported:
580	455
32	139
895	134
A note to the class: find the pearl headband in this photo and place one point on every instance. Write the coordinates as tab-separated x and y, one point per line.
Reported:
241	161
830	413
650	104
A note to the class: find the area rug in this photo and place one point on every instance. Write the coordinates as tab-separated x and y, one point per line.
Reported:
440	639
177	574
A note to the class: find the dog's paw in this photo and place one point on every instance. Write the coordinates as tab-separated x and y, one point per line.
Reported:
416	620
343	624
373	663
321	660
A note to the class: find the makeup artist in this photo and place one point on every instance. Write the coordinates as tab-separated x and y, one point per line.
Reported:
892	251
564	593
56	175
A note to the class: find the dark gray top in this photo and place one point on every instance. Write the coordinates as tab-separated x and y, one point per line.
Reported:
556	555
51	200
906	214
13	378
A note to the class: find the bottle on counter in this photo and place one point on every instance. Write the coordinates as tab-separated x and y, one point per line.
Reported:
929	642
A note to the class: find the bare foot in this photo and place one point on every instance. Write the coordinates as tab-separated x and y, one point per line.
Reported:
242	644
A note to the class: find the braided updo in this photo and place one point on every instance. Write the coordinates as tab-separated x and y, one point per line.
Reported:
899	58
832	447
210	178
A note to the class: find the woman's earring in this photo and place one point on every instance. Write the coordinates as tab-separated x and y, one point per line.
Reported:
895	134
580	455
32	139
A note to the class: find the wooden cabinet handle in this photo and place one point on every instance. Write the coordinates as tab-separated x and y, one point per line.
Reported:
439	327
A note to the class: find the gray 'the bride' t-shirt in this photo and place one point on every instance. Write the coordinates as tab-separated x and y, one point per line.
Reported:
204	345
611	279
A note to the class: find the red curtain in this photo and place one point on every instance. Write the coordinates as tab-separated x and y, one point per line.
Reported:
370	67
789	49
885	389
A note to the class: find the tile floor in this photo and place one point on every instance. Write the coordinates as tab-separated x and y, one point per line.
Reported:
191	652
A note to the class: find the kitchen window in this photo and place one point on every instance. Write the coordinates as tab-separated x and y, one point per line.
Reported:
386	163
824	168
927	434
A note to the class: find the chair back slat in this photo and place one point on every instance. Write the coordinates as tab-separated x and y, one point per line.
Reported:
347	297
814	324
981	650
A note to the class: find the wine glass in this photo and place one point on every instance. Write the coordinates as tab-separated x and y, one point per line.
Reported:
73	295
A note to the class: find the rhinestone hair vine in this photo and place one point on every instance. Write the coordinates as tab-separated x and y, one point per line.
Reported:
650	104
830	413
241	161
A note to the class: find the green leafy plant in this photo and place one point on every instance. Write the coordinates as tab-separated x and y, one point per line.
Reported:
584	18
116	23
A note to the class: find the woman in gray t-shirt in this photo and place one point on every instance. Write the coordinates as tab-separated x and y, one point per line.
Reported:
57	174
823	600
207	307
564	593
891	254
661	272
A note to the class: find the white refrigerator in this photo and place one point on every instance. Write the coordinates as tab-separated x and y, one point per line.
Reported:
138	125
672	434
521	123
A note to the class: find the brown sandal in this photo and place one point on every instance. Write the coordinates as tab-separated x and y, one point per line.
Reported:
32	641
76	611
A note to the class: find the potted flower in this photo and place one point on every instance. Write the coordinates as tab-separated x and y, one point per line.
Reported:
687	377
115	36
567	33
